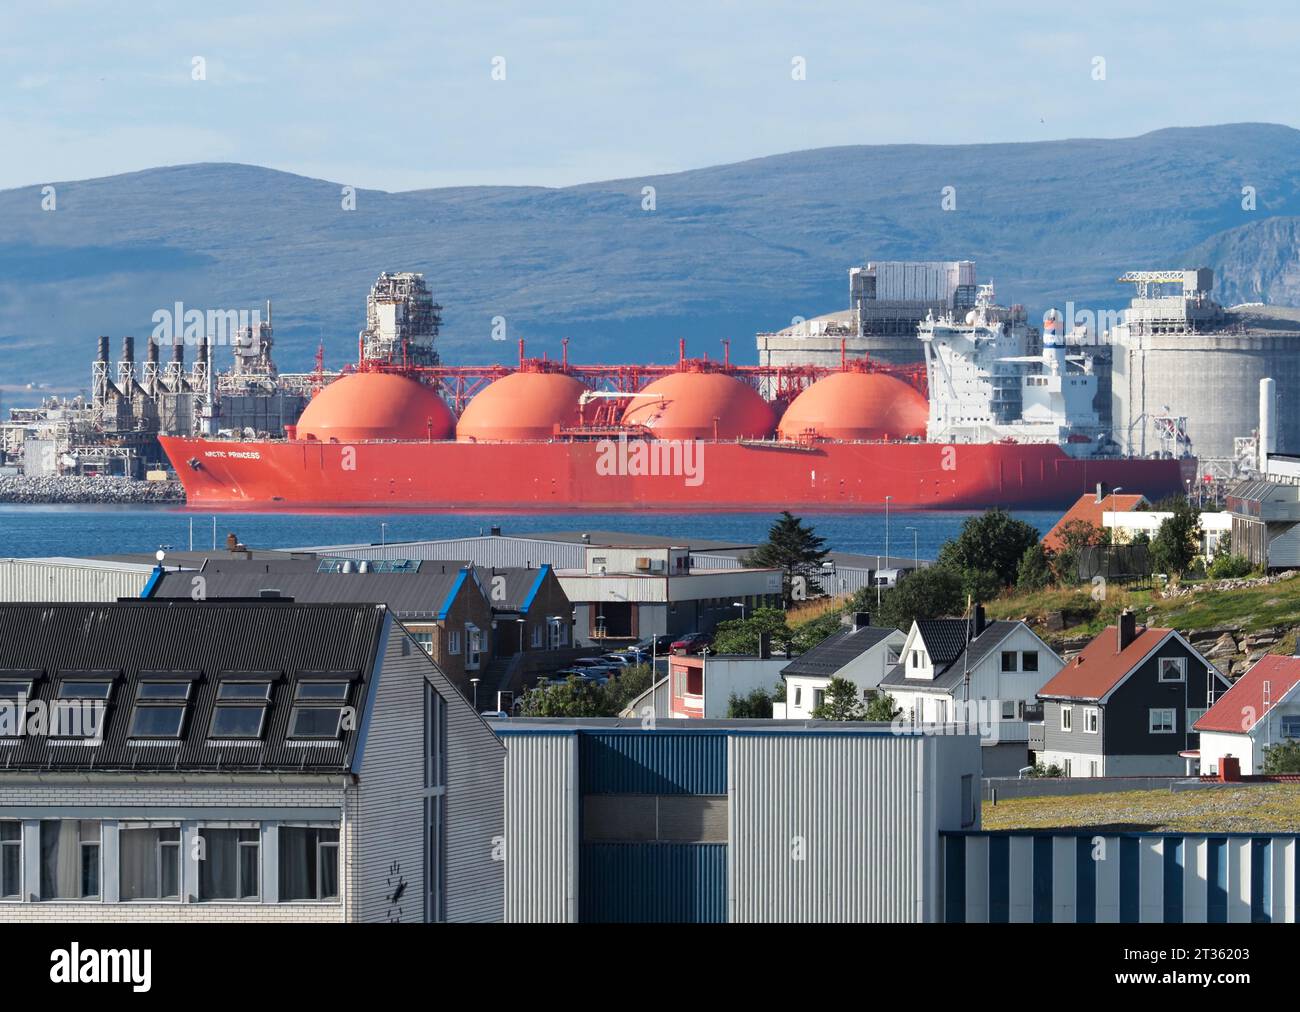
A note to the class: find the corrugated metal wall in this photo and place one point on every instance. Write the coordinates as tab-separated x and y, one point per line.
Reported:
542	809
661	883
659	762
391	835
1084	877
828	828
22	580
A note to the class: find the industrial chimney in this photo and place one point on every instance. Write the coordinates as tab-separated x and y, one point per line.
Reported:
1267	421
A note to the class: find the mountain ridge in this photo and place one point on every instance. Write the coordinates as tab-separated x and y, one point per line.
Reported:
728	250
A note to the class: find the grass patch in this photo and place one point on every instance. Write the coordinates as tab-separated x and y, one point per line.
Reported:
1257	808
1247	608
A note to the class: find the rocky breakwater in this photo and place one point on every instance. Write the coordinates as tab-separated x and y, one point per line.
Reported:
67	489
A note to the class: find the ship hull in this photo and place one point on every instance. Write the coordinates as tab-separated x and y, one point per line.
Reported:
609	475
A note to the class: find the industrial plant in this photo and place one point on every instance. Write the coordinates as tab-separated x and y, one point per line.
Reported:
1158	395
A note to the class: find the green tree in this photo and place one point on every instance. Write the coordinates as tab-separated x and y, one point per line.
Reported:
575	697
797	551
630	683
1075	536
840	702
1035	572
740	636
1284	757
993	542
578	697
757	704
927	593
882	707
1177	542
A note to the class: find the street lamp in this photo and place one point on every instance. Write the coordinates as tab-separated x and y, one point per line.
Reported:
741	606
383	534
1113	493
474	682
887	498
916	555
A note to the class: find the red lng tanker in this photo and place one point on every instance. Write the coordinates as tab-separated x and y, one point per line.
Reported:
699	438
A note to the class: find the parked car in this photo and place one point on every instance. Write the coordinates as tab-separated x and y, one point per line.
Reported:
620	660
660	644
692	643
589	662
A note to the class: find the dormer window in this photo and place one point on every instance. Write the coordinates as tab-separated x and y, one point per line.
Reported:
242	701
318	705
161	699
16	688
80	704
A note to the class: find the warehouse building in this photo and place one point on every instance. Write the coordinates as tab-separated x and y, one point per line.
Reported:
741	821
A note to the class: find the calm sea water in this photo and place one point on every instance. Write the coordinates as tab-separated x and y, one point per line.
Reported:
98	530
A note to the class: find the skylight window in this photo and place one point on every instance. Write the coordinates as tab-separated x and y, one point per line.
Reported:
160	708
15	693
318	708
241	708
80	704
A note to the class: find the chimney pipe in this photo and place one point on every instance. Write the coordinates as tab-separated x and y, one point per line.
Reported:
979	619
1100	496
764	646
1127	629
178	352
1267	421
151	352
103	349
128	349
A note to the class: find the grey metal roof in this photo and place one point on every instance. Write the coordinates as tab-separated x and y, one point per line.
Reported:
518	584
837	650
195	560
948	635
420	594
207	638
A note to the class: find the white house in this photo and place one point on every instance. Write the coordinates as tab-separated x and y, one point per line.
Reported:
968	669
860	652
1261	709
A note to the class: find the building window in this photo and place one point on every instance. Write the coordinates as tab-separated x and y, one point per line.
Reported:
1163	720
798	695
1067	718
1092	768
892	656
1067	767
1290	727
159	709
819	697
149	862
425	639
1090	715
11	860
916	658
453	642
1008	709
1029	660
537	636
435	806
240	710
1009	660
229	864
69	859
1194	714
1173	669
318	709
309	863
15	693
79	708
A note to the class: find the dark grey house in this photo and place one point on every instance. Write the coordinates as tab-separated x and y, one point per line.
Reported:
858	652
1126	704
250	761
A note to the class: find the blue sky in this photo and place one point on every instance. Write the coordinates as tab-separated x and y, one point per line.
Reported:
401	96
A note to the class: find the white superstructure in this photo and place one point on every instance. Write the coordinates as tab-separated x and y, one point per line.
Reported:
992	378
